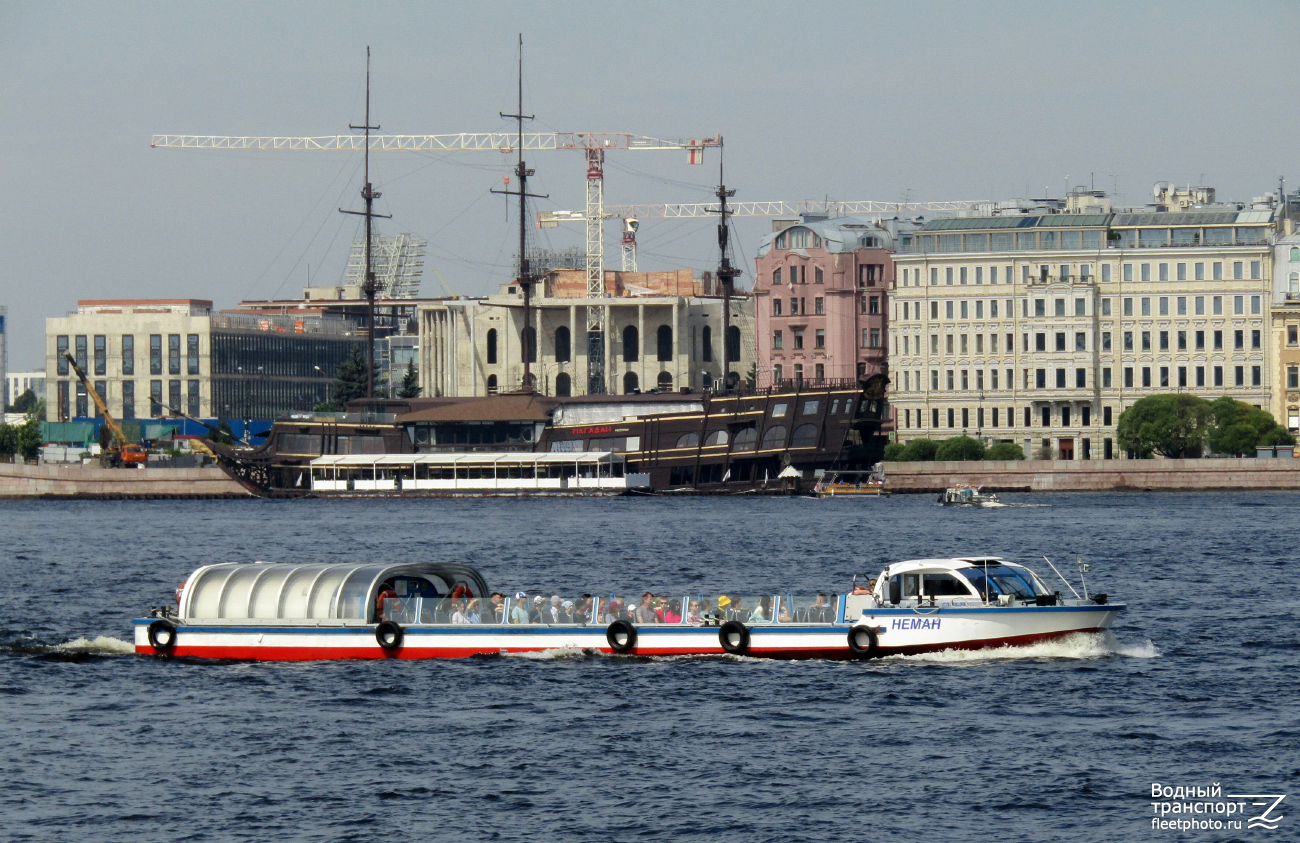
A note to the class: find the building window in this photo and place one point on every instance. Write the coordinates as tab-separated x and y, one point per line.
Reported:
1216	303
631	344
101	389
1164	272
1146	376
819	305
1080	341
492	346
563	347
817	275
192	355
631	384
664	343
1293	377
193	409
128	354
1060	379
873	305
1255	376
1128	340
101	354
81	353
61	349
778	340
1105	378
1292	335
1040	378
706	340
528	345
1218	340
83	409
173	397
173	354
819	338
1182	376
794	307
1164	376
1128	377
1239	340
1240	375
821	372
1081	378
1255	339
731	341
1200	340
128	400
776	276
798	337
1254	305
1218	376
563	385
1059	307
155	399
1146	340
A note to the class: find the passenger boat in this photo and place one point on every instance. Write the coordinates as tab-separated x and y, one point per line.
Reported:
835	484
968	496
286	612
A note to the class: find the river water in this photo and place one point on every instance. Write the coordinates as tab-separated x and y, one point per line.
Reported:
1061	741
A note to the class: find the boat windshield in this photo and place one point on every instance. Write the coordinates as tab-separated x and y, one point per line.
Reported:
1004	580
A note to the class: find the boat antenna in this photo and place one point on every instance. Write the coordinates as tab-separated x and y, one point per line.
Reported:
727	273
369	194
526	276
1083	569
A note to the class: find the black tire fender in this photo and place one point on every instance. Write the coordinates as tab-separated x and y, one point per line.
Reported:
734	637
389	635
162	636
864	642
621	636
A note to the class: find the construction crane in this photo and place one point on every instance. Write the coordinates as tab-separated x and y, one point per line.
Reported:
593	144
119	451
632	214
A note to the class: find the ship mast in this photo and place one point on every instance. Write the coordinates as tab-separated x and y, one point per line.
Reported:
369	194
526	278
727	273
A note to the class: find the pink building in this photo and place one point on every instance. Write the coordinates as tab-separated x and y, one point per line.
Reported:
819	299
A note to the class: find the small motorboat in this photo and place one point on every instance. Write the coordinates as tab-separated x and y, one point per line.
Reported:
968	496
283	612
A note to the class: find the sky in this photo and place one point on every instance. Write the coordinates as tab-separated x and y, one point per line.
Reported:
852	101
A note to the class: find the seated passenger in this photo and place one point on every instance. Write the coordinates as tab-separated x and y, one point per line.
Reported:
551	612
783	616
736	611
695	611
645	613
472	612
498	607
535	611
458	614
566	612
762	612
673	612
582	612
613	611
821	611
724	608
519	611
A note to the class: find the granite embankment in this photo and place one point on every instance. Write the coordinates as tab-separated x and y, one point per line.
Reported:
1095	475
82	481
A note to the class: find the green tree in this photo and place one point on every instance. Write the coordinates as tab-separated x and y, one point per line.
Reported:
894	452
223	435
8	440
350	381
29	439
1173	426
920	450
24	403
1239	427
960	448
410	382
1004	451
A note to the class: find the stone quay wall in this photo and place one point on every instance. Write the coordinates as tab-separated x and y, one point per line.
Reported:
1095	475
83	481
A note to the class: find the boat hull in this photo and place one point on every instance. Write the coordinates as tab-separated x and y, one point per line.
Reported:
905	632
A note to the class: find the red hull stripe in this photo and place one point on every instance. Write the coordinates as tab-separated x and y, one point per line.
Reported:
273	653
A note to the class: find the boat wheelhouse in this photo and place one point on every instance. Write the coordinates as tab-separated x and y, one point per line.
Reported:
369	611
476	473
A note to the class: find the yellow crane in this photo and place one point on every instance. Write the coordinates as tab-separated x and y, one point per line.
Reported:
119	452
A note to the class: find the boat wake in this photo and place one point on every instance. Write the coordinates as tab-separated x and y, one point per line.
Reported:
77	648
1080	645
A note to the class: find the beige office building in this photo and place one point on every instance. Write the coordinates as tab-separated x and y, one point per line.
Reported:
664	334
1041	328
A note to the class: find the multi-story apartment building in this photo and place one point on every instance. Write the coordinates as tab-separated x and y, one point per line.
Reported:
148	356
1041	328
1284	342
820	299
663	333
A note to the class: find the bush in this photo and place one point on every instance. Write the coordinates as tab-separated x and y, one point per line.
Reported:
894	452
920	450
1004	451
1173	426
960	448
